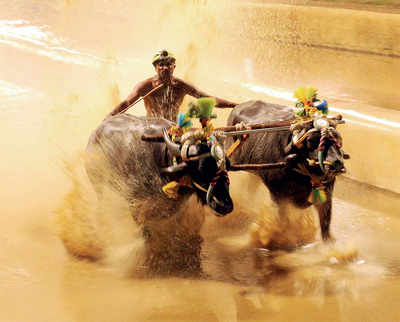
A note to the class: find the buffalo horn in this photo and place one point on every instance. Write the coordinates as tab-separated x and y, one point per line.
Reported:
156	138
172	147
174	168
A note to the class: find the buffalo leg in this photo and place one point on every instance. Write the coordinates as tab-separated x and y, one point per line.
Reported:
325	213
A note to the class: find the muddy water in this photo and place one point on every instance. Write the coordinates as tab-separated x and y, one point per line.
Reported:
64	64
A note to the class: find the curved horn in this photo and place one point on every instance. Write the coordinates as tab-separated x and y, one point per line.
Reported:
174	168
209	195
172	147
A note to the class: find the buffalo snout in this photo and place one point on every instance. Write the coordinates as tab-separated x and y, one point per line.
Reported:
337	167
219	199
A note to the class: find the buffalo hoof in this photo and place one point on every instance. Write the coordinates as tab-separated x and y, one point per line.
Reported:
328	239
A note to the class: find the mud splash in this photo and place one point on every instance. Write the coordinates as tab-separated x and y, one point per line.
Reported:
233	246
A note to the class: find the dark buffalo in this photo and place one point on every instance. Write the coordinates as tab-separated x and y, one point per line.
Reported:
138	169
312	165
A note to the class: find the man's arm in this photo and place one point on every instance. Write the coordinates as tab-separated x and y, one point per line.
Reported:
136	93
193	91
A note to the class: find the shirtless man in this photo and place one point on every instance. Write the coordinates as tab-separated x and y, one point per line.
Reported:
164	101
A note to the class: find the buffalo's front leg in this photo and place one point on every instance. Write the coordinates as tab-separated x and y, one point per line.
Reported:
324	213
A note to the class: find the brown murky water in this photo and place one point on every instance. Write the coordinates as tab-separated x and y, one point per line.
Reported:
65	64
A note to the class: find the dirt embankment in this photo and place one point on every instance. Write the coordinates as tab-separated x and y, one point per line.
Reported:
387	6
303	22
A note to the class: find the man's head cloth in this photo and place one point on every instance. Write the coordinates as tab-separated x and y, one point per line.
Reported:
163	55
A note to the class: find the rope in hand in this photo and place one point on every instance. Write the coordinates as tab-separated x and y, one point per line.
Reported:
143	97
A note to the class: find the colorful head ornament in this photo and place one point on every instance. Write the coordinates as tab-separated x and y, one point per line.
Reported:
203	108
323	107
184	120
306	102
163	55
306	95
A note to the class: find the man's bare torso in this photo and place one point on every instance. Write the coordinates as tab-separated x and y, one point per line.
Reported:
165	101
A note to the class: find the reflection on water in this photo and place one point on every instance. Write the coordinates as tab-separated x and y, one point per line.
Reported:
8	90
23	30
39	40
50	104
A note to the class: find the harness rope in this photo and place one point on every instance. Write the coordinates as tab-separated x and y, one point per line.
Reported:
219	174
233	147
240	126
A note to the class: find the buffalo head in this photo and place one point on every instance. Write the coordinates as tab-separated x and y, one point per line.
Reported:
204	161
321	149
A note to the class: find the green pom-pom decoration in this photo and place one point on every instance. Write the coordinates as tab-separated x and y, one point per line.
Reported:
318	196
206	105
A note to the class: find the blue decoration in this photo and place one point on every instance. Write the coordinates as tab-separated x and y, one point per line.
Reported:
323	107
183	120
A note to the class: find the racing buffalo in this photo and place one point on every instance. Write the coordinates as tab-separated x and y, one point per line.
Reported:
139	170
311	152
